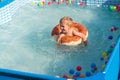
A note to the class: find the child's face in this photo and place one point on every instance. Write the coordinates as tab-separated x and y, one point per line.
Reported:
65	25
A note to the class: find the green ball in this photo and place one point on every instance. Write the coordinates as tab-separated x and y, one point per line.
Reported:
69	1
111	8
39	4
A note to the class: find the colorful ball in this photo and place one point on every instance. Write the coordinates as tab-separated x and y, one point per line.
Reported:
64	76
103	66
104	6
69	78
53	0
66	2
95	68
113	44
113	28
118	8
78	68
58	2
50	3
71	71
40	4
93	65
106	62
101	58
114	7
72	1
82	4
111	49
33	3
43	2
88	74
69	1
106	58
110	37
111	7
104	54
62	0
82	75
77	74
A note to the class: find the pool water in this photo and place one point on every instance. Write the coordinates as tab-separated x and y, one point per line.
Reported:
27	45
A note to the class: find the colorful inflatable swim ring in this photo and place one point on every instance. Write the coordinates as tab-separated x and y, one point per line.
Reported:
70	40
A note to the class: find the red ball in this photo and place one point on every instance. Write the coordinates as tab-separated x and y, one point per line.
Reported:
58	2
49	3
95	68
82	4
118	8
78	68
65	76
112	29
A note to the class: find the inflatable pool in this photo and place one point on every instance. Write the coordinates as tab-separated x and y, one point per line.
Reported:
28	51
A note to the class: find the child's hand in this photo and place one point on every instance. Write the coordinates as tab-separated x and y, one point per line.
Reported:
84	38
85	43
59	38
62	32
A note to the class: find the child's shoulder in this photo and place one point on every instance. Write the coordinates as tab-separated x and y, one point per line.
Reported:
74	28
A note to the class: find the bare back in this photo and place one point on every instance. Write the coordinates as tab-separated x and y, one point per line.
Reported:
71	31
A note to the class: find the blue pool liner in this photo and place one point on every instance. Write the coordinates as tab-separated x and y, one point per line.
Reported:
5	2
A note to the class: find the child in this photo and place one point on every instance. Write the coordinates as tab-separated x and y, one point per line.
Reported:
67	29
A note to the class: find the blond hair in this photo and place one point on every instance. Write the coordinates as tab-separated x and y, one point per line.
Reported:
66	18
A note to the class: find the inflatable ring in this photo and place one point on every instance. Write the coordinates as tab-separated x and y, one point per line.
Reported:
70	40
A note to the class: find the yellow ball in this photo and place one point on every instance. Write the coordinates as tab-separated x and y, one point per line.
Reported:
40	4
103	66
104	54
33	3
114	7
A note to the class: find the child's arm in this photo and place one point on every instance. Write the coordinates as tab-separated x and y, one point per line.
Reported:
84	39
80	34
59	37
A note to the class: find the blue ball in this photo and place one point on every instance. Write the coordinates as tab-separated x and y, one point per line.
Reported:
71	71
77	74
111	46
109	51
88	74
101	58
93	65
110	37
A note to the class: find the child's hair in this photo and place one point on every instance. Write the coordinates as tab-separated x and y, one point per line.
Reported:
66	18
